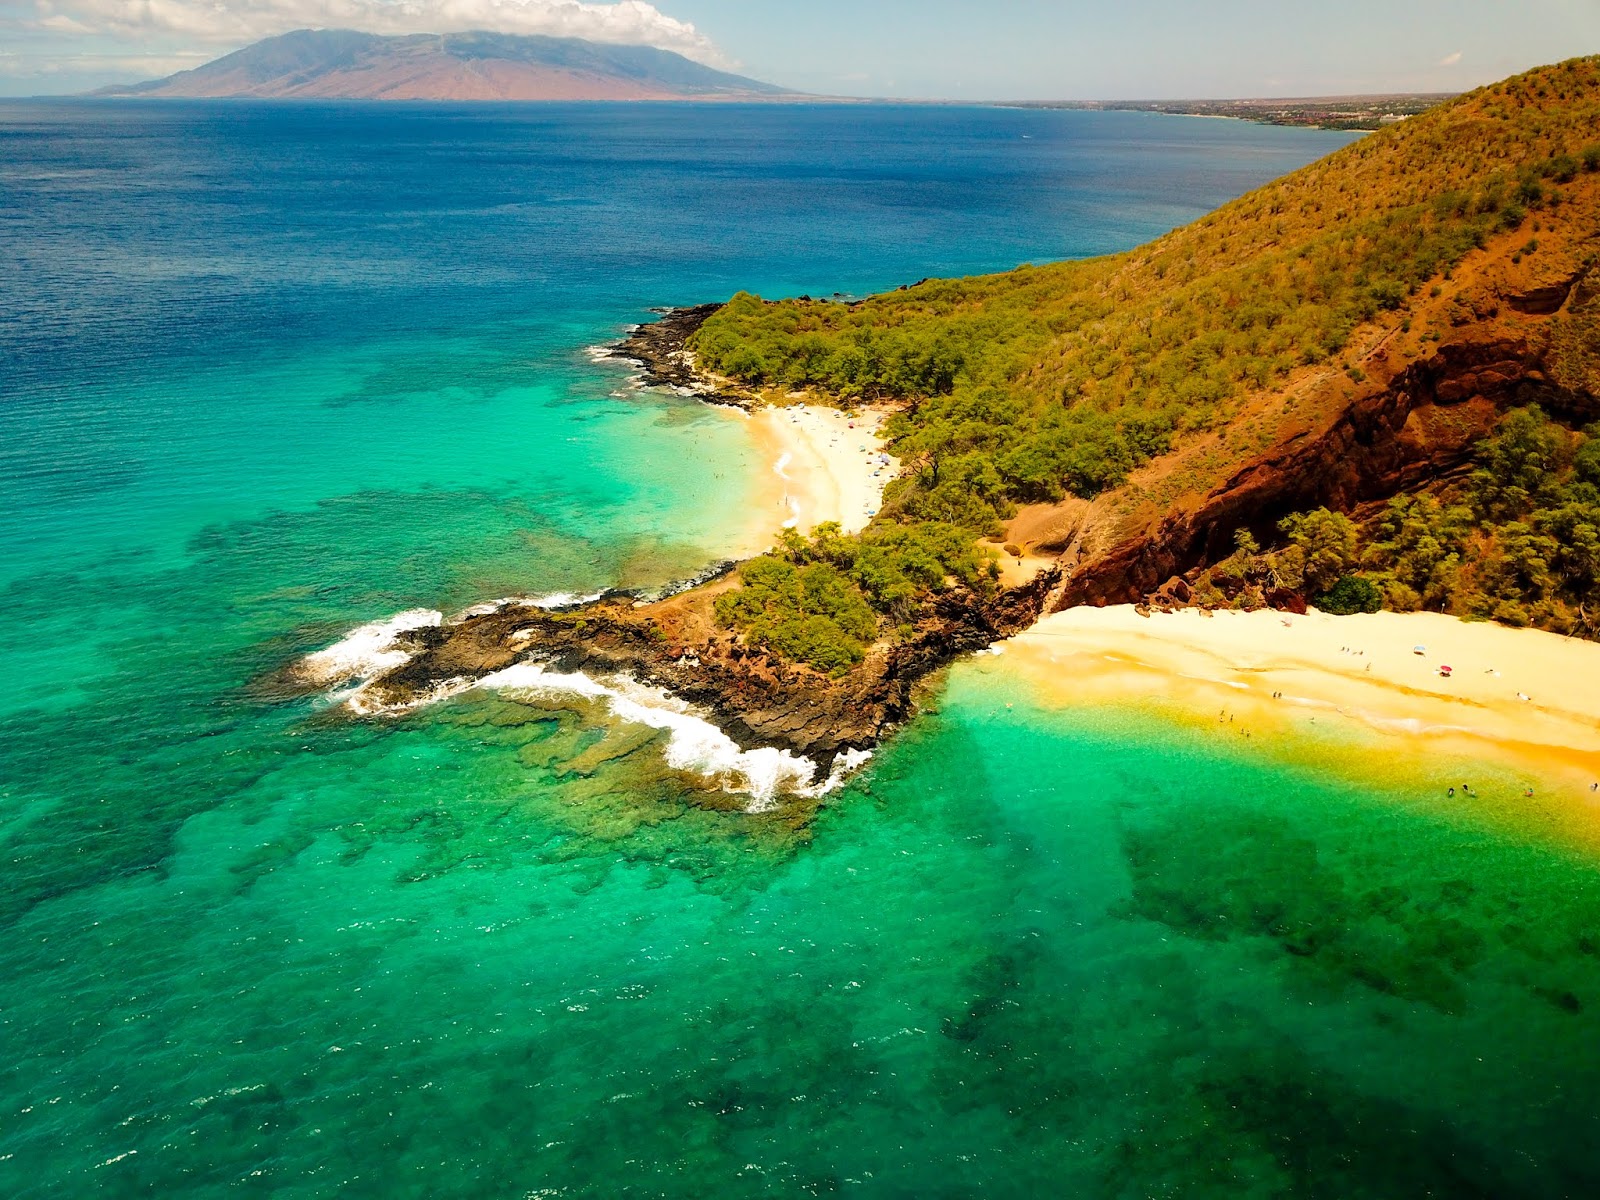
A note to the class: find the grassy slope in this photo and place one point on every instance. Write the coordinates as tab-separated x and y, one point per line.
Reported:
1173	361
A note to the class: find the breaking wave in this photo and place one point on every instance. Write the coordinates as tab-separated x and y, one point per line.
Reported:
367	650
693	744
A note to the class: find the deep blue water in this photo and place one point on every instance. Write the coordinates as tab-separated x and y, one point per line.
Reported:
218	310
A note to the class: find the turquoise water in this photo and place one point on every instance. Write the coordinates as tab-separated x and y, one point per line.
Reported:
274	371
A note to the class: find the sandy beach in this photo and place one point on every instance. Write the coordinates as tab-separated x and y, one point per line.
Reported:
826	466
1517	694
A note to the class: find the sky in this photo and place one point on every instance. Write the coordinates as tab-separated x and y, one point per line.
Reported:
921	49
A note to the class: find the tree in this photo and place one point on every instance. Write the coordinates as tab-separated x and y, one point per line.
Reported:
1519	464
1326	541
1352	594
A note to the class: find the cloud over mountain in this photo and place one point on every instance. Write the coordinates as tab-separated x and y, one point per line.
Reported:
225	22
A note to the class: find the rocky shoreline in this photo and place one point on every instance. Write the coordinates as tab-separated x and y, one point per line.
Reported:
757	700
669	638
1410	422
660	350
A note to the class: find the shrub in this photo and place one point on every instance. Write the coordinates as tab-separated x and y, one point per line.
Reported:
1352	594
1063	379
817	600
1388	293
810	614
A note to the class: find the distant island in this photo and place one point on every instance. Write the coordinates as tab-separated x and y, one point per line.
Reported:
1316	112
343	64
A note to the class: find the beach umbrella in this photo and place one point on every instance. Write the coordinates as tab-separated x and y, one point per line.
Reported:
1419	649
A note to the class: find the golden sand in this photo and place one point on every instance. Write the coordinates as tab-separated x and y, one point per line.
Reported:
1525	697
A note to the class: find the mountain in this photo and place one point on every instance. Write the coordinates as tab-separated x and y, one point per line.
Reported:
346	65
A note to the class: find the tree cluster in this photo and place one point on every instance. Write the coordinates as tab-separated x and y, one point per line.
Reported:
824	600
1517	542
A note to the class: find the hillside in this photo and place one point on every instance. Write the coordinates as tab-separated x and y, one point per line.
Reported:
1375	381
346	65
1355	332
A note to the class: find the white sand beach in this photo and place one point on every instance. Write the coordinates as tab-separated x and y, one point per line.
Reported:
827	465
1526	694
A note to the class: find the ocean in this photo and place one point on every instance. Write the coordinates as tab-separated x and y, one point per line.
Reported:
272	371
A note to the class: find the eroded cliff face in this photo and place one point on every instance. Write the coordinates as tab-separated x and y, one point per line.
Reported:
1407	417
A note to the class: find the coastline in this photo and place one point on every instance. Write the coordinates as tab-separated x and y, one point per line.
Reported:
823	463
1527	699
1521	697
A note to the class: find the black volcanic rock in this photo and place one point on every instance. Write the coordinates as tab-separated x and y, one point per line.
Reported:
757	699
660	350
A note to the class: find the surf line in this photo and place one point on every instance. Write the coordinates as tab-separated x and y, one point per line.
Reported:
694	744
780	468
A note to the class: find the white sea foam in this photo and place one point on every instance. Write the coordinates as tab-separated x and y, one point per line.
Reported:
361	701
367	650
561	600
553	600
693	743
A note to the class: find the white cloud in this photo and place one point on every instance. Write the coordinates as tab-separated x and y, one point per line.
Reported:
98	66
237	22
1450	60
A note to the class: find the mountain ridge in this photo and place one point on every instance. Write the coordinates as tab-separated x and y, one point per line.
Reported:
344	64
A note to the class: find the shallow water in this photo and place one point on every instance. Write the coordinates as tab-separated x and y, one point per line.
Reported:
276	371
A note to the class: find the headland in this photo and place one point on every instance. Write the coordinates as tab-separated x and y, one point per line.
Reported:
1368	384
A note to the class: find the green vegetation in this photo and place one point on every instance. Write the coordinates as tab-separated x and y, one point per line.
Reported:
1518	541
1056	380
823	600
1322	547
1352	594
1060	380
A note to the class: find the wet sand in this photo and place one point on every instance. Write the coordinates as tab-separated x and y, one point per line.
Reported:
1523	696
